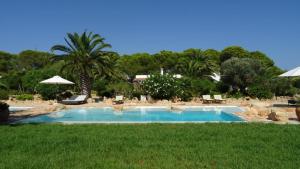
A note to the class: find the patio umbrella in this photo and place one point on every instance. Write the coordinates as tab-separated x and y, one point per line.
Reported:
292	73
56	80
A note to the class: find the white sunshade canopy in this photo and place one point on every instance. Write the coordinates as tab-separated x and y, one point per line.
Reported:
56	80
292	73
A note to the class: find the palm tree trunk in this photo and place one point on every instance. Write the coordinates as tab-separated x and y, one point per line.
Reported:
85	84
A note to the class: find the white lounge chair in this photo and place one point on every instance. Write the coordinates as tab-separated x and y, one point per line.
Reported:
119	99
143	98
76	99
219	99
207	99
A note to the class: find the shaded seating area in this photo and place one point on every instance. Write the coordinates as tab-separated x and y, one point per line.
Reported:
76	99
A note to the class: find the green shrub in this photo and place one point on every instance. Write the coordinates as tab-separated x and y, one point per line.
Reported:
202	86
100	86
4	95
235	94
24	97
282	87
120	88
260	91
297	83
48	92
184	91
161	86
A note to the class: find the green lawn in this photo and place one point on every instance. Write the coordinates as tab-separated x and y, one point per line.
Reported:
150	146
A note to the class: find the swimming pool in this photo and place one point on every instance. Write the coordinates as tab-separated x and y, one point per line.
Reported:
141	115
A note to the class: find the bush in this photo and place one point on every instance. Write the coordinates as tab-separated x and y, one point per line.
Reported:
120	88
261	92
161	86
48	92
24	97
100	86
184	89
4	95
235	94
202	86
282	87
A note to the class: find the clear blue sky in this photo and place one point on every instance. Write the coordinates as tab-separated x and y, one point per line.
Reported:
272	26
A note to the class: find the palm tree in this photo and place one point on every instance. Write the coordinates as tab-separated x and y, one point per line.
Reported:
85	58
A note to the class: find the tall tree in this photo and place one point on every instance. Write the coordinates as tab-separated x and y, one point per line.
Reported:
31	59
233	51
84	56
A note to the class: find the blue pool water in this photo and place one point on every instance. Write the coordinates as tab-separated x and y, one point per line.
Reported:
139	115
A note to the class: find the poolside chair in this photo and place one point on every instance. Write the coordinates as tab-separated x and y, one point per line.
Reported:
76	99
219	99
143	98
119	99
207	99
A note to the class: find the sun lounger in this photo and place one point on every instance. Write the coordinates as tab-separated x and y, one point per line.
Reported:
143	98
119	99
293	102
76	99
207	99
219	99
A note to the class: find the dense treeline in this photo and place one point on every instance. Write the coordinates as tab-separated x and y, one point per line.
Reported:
243	73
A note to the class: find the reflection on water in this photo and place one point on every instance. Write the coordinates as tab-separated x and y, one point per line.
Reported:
140	115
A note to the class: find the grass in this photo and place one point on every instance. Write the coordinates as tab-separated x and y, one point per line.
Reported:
150	146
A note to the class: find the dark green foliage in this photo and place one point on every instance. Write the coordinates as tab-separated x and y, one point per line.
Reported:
236	94
212	54
240	72
138	64
263	58
202	86
7	62
4	94
260	91
30	59
100	86
195	63
48	91
12	80
233	52
32	78
282	87
297	83
121	88
150	146
3	86
166	60
24	97
184	91
222	87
